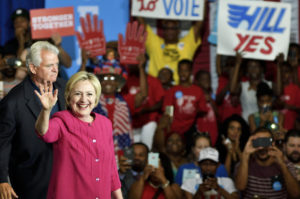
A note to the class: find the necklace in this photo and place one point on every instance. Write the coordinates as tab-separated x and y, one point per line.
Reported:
154	186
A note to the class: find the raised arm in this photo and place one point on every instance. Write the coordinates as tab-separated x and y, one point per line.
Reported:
48	99
234	82
63	56
277	88
141	96
241	177
291	183
198	25
137	188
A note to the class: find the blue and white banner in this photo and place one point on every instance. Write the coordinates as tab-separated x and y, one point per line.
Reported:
115	16
169	9
260	30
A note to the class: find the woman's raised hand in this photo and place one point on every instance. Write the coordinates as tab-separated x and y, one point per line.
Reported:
47	97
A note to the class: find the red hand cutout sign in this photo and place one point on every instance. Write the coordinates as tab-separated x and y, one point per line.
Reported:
133	45
93	39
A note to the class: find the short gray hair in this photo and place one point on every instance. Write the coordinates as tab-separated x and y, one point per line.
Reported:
34	54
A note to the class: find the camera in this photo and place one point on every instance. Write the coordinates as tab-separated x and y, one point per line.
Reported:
262	142
13	62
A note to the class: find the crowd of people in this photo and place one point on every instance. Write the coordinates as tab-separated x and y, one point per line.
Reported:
150	130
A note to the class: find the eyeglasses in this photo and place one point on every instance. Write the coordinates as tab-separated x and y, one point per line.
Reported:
106	78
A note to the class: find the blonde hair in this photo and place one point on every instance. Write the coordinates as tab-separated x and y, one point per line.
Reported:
82	76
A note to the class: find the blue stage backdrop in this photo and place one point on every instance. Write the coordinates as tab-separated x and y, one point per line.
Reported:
115	16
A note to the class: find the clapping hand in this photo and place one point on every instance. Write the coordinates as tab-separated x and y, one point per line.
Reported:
47	97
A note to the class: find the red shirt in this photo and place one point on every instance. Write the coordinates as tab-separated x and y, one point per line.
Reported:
155	94
291	96
187	102
149	192
226	109
208	123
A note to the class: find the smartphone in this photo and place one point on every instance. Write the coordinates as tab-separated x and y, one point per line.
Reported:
169	110
207	175
153	159
266	108
262	142
128	153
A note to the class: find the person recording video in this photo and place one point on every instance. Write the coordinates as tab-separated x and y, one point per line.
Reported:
263	172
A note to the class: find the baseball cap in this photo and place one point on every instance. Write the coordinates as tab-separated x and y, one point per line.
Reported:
209	153
20	12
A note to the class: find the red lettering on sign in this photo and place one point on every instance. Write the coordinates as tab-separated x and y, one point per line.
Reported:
150	6
251	46
268	42
242	41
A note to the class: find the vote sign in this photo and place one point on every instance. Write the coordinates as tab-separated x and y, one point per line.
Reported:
169	9
261	30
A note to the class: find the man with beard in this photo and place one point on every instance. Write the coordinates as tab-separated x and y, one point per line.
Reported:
292	149
131	170
263	172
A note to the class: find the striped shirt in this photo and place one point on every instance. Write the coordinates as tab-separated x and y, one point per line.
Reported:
266	182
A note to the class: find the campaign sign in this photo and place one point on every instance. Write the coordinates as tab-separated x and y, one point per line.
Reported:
260	30
168	9
133	44
93	39
45	22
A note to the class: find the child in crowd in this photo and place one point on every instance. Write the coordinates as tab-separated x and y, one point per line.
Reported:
207	123
165	76
265	117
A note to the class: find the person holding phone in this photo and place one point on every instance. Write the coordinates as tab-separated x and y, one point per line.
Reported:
263	171
266	116
207	185
234	134
132	164
156	181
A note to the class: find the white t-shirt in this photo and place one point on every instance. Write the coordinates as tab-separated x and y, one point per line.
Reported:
248	99
191	186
